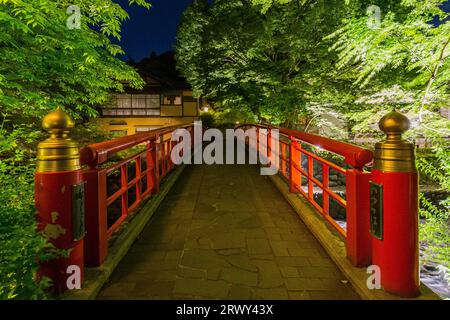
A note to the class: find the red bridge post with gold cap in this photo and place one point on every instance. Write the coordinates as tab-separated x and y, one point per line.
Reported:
59	200
394	210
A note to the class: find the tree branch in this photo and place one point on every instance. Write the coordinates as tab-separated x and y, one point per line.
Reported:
433	77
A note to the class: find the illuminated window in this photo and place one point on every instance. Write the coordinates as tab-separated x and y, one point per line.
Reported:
146	129
171	100
128	105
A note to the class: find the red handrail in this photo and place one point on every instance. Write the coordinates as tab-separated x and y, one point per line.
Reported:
99	153
355	156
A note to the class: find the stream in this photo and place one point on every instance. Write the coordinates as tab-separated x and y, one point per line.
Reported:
433	275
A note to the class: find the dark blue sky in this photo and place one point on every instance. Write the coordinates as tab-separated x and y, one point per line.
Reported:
151	30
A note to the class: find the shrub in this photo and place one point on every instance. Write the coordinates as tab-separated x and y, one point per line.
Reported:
207	120
21	245
435	231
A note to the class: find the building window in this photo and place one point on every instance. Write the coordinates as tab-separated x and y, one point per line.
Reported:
146	129
171	100
118	123
124	101
128	105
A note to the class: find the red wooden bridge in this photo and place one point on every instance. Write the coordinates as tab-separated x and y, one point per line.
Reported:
142	227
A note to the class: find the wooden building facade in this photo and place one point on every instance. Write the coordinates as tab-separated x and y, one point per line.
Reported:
165	100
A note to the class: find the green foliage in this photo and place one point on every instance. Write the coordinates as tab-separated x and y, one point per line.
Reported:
294	60
44	64
91	132
265	5
20	245
207	120
229	117
437	165
435	231
275	64
407	51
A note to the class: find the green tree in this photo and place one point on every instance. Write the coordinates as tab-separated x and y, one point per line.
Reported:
51	54
406	46
277	64
47	60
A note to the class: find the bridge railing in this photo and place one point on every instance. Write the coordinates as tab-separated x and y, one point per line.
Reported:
384	201
115	189
297	163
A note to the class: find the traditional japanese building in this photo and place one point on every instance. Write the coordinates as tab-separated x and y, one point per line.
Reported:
165	100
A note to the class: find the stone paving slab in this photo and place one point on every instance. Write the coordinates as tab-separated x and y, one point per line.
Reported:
225	232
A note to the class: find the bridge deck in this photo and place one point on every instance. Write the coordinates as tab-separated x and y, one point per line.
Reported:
225	232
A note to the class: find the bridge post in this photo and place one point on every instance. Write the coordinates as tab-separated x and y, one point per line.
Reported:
96	244
359	245
59	200
156	162
295	156
151	177
394	209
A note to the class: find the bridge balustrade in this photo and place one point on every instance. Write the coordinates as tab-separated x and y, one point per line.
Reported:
381	205
297	164
115	190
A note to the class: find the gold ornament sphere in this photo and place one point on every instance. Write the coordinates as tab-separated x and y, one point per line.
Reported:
58	121
394	123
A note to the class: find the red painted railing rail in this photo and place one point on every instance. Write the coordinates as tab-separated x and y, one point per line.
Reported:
292	156
354	156
99	153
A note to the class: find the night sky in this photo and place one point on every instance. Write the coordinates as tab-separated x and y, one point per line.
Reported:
151	30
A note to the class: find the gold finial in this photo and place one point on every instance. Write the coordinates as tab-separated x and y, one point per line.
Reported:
58	153
394	154
394	124
58	123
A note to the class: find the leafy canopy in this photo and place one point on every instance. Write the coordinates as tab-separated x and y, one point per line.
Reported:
44	63
277	64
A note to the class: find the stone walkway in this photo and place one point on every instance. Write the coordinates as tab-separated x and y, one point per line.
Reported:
225	232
